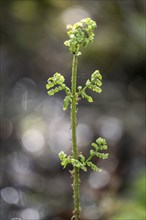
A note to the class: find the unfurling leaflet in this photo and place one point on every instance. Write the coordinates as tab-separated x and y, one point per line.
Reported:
56	84
83	163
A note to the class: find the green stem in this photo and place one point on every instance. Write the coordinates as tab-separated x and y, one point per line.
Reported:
89	158
74	140
83	90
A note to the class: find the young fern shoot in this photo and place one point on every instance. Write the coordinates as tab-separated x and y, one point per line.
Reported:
80	35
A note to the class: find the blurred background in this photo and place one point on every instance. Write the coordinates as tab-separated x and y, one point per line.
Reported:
34	127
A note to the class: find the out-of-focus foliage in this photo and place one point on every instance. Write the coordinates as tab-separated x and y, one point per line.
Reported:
34	128
133	208
138	189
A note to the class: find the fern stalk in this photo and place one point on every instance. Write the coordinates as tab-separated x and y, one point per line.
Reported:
80	35
74	140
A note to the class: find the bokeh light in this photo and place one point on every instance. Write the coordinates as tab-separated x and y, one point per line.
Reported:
33	140
30	214
111	129
92	212
20	163
74	14
10	195
99	180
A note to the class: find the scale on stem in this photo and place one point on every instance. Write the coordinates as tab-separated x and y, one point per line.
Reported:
80	35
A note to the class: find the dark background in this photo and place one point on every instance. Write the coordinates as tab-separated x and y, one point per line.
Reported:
34	128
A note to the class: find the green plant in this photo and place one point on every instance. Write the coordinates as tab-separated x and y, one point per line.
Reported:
80	35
